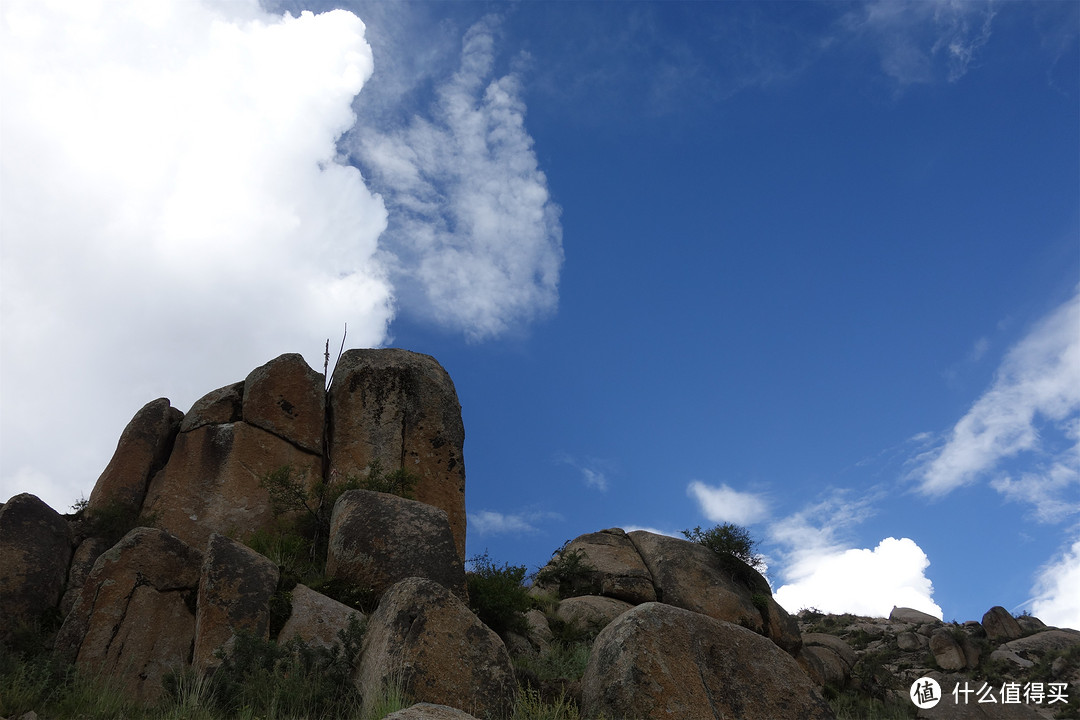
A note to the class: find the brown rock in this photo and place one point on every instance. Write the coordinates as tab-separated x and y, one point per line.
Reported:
915	617
211	482
234	594
316	619
590	613
839	646
616	568
1030	624
82	562
35	549
824	666
378	539
690	576
659	661
427	711
218	407
425	639
287	398
401	408
1034	646
142	450
1000	625
132	619
948	653
539	635
909	641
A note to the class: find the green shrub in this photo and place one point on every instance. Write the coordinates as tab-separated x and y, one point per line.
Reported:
568	570
497	595
729	539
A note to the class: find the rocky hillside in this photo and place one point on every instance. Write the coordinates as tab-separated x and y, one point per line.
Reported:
279	513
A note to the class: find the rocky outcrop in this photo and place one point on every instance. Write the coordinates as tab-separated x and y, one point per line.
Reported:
134	618
285	397
35	548
660	661
315	618
377	539
234	594
82	562
212	481
427	711
614	567
401	408
142	450
588	614
1000	625
426	640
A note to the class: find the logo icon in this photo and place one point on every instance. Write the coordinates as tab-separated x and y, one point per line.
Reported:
925	693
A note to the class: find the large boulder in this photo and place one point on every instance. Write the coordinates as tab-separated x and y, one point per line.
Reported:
315	618
910	615
211	482
234	594
827	659
377	539
589	614
82	562
133	619
400	408
287	398
35	549
690	576
947	650
142	450
660	661
615	568
1000	625
217	407
424	639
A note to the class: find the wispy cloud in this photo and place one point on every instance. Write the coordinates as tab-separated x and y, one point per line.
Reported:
594	471
724	504
922	41
1032	407
490	522
1056	596
474	232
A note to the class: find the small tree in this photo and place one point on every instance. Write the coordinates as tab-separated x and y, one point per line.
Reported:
729	539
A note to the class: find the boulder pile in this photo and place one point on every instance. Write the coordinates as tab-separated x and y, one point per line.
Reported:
182	533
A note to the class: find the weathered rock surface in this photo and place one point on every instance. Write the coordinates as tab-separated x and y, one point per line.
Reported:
427	711
1000	625
35	548
217	407
287	398
235	588
401	408
133	619
590	613
142	450
378	539
948	653
211	481
690	576
617	569
82	562
315	618
425	638
909	615
660	661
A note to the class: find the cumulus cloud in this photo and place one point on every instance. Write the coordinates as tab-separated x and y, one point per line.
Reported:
860	580
475	232
724	504
1056	598
174	213
1032	407
921	42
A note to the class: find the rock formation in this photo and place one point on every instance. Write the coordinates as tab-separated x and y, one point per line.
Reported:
214	526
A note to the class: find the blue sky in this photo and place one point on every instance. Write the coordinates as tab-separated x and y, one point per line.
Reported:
808	267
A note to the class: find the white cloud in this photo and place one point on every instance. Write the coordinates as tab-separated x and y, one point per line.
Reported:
1035	394
173	213
921	41
1057	590
859	580
723	504
1046	491
594	471
472	222
489	522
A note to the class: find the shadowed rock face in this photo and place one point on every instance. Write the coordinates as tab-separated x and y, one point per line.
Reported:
422	636
377	539
35	549
400	408
659	661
